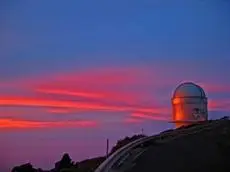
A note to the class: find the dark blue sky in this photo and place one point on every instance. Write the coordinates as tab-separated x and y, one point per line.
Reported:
104	54
56	35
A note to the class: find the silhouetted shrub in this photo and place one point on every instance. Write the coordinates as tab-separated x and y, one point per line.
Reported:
24	168
65	162
126	140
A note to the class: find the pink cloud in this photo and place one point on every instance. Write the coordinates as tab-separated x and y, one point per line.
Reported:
34	102
17	123
150	117
59	110
133	90
222	105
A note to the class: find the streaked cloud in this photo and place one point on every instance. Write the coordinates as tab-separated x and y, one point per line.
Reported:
59	110
150	117
21	101
143	92
6	123
219	105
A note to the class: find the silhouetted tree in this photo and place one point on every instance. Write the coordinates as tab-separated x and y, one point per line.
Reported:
65	162
24	168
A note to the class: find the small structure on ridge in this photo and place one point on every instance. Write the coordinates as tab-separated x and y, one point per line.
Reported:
189	104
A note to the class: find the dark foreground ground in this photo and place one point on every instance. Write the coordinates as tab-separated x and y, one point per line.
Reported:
202	147
199	148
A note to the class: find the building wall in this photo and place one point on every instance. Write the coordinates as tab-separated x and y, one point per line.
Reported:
189	109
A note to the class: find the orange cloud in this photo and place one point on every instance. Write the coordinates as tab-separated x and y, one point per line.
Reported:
20	101
104	84
112	95
12	123
71	93
131	98
59	110
136	90
150	117
223	105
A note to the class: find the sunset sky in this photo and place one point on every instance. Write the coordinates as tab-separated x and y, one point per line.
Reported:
73	73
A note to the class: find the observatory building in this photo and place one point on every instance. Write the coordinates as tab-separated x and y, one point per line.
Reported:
189	104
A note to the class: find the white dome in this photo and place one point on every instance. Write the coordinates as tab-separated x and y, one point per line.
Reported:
189	89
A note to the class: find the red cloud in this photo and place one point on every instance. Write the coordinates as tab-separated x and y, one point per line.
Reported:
141	117
222	105
150	117
116	84
24	101
71	93
114	89
59	110
14	123
100	95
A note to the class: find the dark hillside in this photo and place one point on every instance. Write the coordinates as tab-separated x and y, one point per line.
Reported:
206	147
199	147
67	165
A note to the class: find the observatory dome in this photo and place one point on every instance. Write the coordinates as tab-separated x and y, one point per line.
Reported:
189	104
189	89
